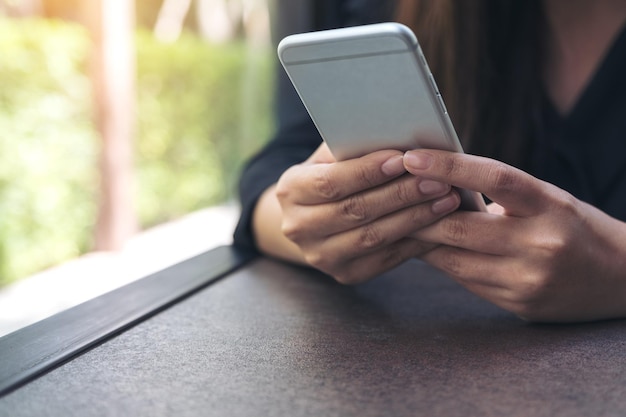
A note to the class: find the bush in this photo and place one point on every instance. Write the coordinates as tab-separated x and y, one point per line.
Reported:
193	132
202	110
47	146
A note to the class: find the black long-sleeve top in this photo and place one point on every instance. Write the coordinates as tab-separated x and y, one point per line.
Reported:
583	152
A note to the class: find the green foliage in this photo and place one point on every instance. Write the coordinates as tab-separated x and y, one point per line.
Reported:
202	110
47	146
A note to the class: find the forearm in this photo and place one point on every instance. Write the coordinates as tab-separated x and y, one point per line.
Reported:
267	229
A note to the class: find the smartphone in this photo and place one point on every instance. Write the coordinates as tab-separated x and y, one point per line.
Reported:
369	88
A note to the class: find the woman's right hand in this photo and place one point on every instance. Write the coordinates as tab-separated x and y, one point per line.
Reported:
350	219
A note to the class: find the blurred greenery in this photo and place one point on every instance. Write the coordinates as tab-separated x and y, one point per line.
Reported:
47	146
202	110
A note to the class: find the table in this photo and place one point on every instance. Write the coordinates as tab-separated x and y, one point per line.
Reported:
254	336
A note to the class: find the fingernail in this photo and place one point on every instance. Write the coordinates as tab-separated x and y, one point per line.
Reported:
393	166
445	204
432	187
417	160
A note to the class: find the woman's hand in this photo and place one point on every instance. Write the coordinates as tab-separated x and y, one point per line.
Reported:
352	219
539	252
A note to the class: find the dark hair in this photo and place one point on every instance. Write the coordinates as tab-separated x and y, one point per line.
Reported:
487	58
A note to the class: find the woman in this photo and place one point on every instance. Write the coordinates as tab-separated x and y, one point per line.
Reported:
533	84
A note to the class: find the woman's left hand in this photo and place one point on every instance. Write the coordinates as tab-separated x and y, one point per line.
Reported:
539	252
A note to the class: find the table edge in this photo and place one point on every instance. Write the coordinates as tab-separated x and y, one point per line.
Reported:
36	349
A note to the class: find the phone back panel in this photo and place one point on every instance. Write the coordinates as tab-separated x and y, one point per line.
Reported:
366	89
369	88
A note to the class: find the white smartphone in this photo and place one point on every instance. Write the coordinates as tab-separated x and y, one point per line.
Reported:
369	88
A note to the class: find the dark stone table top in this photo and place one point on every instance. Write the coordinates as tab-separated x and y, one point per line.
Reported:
273	339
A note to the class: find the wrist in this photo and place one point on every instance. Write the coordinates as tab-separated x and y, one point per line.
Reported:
267	229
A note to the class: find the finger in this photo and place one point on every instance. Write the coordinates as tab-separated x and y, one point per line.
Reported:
472	268
365	207
518	192
324	182
362	268
477	231
373	236
493	278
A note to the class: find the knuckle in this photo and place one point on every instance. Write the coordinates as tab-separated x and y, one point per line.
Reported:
354	208
318	260
452	264
348	277
370	237
419	248
531	289
421	216
282	190
392	256
296	225
355	272
536	307
553	239
548	246
365	176
453	167
292	230
325	186
402	193
454	230
340	270
286	183
503	178
553	246
395	254
566	204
